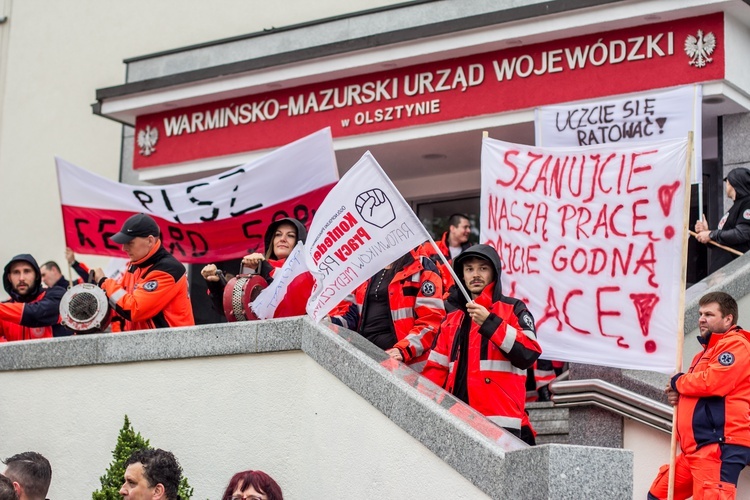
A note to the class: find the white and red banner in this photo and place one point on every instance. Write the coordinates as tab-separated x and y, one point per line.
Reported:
633	59
214	218
645	117
363	225
591	239
266	303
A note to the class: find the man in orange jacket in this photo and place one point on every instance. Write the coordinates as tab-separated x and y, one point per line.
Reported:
712	407
153	292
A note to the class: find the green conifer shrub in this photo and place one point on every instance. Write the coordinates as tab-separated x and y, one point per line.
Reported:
128	441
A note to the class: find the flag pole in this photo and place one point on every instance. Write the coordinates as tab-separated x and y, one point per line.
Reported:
719	245
459	284
696	126
681	309
450	269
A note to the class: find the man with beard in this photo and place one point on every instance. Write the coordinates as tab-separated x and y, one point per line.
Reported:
712	404
32	311
484	346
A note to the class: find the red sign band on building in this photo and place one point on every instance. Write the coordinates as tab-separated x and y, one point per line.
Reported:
615	62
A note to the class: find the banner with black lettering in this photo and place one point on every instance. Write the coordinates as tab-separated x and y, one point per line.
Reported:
363	225
590	239
214	218
624	120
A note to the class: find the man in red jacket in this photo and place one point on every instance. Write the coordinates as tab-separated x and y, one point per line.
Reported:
32	311
485	346
712	408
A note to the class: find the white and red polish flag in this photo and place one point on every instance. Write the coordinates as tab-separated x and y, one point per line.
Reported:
363	225
214	218
591	240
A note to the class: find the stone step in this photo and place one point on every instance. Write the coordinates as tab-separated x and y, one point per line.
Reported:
551	424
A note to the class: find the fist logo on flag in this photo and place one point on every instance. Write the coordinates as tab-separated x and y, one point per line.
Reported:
375	208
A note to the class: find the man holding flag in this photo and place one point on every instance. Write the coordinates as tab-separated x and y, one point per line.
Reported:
486	344
712	404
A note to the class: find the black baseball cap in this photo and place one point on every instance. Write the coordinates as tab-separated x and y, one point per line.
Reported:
137	225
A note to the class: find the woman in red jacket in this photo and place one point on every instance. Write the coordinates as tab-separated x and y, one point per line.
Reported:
280	238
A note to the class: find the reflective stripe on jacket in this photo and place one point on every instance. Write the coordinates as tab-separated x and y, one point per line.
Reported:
499	353
415	299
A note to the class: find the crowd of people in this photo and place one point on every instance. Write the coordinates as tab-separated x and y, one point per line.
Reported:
403	309
150	474
441	311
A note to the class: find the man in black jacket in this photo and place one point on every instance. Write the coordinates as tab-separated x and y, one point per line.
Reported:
734	227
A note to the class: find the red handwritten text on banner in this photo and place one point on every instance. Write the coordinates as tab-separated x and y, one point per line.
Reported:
589	238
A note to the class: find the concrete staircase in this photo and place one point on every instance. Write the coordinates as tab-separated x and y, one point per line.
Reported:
551	424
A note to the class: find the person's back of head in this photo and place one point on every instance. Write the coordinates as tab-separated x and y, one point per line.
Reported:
51	273
159	467
739	179
32	472
7	491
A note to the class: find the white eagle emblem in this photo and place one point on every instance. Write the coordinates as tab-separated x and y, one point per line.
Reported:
699	49
147	140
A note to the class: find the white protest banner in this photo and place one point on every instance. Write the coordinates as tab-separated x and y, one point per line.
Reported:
647	116
363	225
590	239
268	300
214	218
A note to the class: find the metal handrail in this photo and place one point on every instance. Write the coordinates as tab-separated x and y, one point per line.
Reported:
567	393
